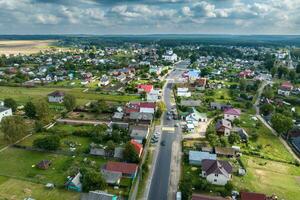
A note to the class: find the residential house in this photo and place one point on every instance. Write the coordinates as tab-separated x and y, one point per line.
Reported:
192	75
196	117
56	97
141	117
139	133
5	112
44	164
111	177
294	138
200	84
183	92
225	151
74	183
104	81
246	73
127	169
98	195
232	114
217	172
121	78
170	56
137	146
155	69
118	116
242	133
144	88
119	152
196	157
285	89
219	106
223	127
153	96
147	107
190	103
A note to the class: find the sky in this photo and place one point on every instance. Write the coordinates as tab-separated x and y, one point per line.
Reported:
119	17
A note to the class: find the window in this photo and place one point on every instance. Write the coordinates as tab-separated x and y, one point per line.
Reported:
216	175
215	180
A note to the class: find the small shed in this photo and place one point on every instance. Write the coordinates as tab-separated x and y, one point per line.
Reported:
44	164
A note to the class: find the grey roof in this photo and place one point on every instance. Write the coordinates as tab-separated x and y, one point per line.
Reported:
226	151
139	131
119	152
57	94
97	195
190	103
118	115
216	167
141	116
97	151
110	176
200	155
2	108
76	180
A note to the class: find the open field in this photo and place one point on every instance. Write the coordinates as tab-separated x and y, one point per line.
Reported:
24	46
20	164
14	189
267	144
270	177
22	94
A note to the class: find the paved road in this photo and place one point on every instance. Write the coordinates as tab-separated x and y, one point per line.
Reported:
161	177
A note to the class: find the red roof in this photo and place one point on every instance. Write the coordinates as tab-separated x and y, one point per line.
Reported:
252	196
146	88
138	147
147	105
232	111
205	197
286	85
132	107
124	168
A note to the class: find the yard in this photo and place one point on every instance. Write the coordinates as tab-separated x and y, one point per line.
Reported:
270	177
267	144
20	164
22	94
14	189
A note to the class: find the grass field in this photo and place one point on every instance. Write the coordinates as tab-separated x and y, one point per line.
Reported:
271	146
270	177
18	163
14	189
22	95
25	47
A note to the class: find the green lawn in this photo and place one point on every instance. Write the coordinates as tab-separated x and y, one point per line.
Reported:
19	164
271	145
2	140
14	189
22	95
270	177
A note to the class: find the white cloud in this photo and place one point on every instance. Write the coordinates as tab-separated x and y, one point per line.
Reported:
47	19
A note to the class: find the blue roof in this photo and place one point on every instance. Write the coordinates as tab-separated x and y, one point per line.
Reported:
193	73
200	155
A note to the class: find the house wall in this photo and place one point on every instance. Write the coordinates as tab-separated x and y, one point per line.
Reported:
53	99
217	179
147	110
226	132
284	92
5	113
230	117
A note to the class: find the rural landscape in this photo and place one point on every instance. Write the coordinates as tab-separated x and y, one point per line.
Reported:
149	100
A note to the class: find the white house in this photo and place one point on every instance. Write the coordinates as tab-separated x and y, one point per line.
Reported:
56	97
147	107
285	89
232	113
196	117
170	56
104	81
155	69
183	92
4	112
217	172
153	96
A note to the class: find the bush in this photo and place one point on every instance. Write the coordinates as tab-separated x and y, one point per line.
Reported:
51	143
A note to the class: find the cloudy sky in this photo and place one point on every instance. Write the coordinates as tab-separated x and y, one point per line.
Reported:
149	16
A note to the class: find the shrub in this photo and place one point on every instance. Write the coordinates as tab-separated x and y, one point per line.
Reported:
47	143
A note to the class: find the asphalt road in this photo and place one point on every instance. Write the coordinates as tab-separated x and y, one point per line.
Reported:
160	181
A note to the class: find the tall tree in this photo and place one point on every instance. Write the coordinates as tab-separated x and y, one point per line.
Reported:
281	123
92	180
43	113
130	154
10	103
30	110
14	128
69	102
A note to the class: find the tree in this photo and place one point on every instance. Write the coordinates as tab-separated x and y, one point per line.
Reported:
110	148
30	110
273	71
281	123
233	138
50	143
292	75
243	84
69	102
193	58
268	93
43	112
161	107
92	180
223	142
14	128
10	103
266	109
298	68
130	154
186	187
99	107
